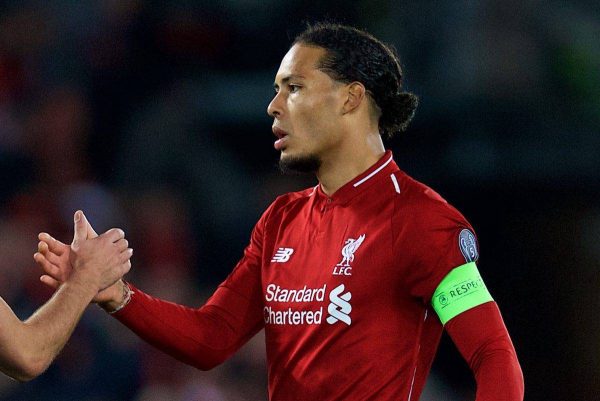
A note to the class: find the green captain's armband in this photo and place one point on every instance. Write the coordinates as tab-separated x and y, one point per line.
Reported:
461	290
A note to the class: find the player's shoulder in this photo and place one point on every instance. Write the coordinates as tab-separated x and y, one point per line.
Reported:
422	202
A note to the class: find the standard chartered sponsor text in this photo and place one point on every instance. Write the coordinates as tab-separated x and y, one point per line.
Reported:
277	294
293	317
274	293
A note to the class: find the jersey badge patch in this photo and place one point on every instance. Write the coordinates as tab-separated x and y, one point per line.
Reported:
468	245
350	247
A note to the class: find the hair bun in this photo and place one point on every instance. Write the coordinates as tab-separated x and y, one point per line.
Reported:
398	112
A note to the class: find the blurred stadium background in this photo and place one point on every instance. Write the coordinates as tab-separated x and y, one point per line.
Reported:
151	116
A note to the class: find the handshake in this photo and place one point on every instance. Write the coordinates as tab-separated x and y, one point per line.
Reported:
87	270
94	262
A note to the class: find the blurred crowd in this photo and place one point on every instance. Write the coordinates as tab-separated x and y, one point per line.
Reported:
151	116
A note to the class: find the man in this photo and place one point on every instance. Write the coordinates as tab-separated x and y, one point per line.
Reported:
27	348
353	280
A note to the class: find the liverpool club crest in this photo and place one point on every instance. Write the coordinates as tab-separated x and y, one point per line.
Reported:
350	247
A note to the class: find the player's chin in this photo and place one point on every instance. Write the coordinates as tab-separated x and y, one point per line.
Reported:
289	154
291	162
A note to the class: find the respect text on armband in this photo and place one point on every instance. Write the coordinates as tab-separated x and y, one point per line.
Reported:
460	290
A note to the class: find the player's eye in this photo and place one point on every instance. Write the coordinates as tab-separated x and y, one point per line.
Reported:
293	88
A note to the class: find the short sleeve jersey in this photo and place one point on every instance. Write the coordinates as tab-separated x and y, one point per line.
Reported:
344	286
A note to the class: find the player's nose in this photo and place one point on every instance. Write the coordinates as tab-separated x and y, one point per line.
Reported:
275	108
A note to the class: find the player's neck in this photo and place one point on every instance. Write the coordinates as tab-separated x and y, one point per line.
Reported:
346	163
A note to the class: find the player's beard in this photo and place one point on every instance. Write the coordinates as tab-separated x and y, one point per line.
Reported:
300	164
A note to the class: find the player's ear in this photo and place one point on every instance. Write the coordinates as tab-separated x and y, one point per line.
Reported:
355	95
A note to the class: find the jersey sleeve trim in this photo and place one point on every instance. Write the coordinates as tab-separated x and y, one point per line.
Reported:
462	289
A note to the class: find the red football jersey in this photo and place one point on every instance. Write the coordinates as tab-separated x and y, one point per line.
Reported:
346	283
342	286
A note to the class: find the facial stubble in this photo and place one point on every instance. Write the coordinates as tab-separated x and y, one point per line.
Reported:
300	164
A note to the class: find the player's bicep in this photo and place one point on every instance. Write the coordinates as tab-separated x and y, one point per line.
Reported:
462	289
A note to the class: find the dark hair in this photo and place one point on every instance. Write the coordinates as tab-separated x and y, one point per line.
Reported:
355	55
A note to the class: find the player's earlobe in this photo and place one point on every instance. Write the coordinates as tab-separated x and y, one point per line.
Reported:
355	94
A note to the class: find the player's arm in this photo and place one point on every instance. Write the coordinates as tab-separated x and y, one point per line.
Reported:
473	321
202	337
28	347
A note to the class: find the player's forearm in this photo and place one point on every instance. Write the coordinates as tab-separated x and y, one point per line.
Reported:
198	337
41	337
499	376
481	337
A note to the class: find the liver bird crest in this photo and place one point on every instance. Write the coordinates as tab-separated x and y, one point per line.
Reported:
350	246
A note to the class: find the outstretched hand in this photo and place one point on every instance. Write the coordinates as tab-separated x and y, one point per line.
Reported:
99	260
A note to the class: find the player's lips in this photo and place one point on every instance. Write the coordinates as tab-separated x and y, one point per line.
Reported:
281	138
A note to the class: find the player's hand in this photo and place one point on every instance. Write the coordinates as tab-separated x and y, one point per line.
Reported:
100	262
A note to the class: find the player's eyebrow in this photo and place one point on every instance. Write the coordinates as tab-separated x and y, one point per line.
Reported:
287	79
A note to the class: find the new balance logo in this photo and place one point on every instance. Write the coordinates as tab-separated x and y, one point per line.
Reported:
339	309
282	255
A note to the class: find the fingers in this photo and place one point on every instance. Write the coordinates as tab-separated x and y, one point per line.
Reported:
45	250
114	234
48	267
126	255
118	270
49	281
122	244
126	268
54	245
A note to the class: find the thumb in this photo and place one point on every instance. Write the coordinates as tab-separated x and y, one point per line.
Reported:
80	227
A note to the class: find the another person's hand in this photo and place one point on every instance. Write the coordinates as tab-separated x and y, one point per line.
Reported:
99	261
